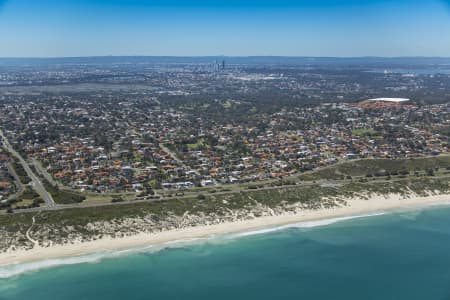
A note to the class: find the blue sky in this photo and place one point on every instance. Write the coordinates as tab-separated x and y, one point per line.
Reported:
224	27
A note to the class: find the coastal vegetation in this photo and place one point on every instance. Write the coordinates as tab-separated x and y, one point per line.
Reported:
379	167
82	224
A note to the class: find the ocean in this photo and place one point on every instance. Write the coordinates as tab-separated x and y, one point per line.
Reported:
401	255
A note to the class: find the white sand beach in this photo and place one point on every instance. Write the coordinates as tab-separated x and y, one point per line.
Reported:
355	207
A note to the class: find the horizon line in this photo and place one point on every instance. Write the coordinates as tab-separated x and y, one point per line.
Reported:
230	56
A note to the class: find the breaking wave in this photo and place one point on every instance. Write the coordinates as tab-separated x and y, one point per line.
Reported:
305	224
20	268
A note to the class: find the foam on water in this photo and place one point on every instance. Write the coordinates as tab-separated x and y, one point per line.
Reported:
18	269
307	224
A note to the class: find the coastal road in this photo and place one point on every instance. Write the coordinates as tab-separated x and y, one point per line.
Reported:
35	182
189	196
238	188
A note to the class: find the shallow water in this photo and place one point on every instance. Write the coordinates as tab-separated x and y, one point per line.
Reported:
403	255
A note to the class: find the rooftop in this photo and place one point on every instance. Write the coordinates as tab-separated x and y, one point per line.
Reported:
396	100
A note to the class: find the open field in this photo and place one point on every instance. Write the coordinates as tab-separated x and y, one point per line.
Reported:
378	167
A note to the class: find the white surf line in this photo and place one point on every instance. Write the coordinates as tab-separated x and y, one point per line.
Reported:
305	224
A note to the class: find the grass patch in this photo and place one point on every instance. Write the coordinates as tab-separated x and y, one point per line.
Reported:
378	167
62	196
365	132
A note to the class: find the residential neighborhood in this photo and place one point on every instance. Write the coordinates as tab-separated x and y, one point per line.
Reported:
138	146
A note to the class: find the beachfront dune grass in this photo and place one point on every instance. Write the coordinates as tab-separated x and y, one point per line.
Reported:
56	223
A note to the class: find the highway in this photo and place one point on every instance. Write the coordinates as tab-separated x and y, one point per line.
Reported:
35	181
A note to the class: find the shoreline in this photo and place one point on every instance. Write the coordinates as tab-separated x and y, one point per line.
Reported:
355	208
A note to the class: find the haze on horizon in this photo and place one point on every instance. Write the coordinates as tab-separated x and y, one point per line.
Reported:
349	28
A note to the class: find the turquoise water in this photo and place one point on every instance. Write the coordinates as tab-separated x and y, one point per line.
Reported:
394	256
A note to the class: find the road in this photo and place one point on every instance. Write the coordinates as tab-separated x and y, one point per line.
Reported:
19	184
43	172
235	190
35	182
175	157
238	188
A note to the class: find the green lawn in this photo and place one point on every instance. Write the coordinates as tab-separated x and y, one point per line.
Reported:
365	132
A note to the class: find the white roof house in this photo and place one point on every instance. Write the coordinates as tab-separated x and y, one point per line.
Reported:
396	100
